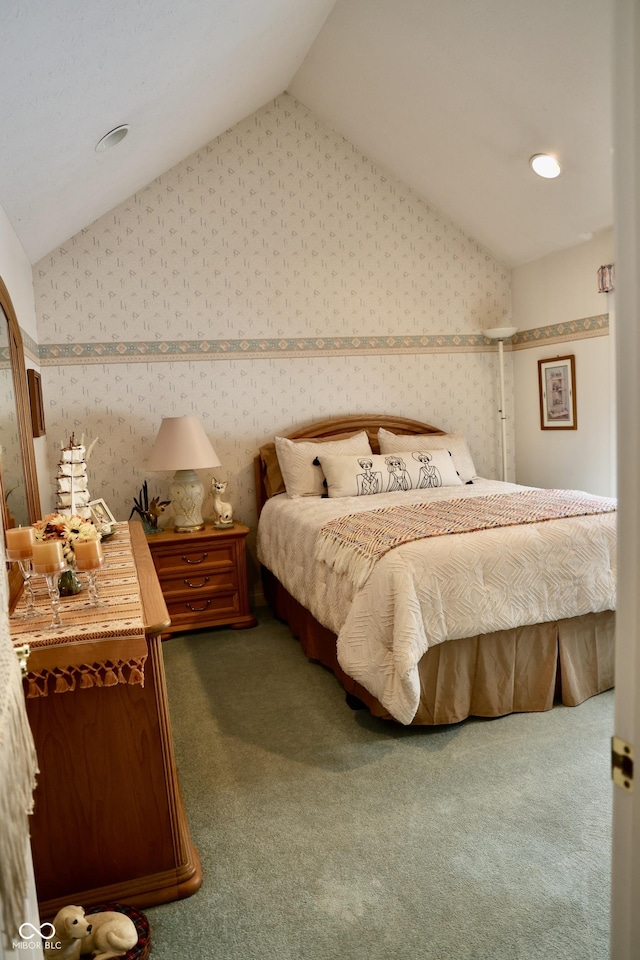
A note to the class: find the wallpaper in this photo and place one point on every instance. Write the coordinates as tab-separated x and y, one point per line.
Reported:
278	228
274	277
242	403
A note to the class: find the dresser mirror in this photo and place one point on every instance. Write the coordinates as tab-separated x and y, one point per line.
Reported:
19	495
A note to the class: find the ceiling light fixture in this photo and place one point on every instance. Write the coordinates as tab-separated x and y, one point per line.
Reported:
112	138
545	166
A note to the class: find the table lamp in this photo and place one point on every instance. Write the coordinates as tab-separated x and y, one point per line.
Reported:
183	446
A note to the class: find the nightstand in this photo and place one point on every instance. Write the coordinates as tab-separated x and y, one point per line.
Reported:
203	577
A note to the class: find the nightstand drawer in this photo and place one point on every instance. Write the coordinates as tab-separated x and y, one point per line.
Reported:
193	557
199	581
185	611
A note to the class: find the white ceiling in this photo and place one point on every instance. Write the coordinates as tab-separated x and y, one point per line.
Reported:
451	96
455	96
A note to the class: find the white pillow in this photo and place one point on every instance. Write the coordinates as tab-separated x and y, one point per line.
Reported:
367	475
303	478
455	443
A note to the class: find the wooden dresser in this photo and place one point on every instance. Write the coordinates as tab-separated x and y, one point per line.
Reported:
203	577
109	822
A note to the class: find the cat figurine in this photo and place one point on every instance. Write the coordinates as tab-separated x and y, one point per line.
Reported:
222	511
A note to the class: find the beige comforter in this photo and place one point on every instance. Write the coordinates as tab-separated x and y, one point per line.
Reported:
443	588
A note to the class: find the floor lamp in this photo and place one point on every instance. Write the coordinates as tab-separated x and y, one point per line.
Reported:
501	334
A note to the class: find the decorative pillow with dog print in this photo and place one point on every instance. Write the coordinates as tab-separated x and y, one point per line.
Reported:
366	475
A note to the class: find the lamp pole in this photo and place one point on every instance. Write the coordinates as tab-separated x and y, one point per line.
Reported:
501	334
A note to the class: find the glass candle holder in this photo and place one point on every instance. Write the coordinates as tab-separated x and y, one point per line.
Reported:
48	561
89	559
20	541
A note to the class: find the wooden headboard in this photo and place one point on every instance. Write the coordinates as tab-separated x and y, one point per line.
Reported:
325	429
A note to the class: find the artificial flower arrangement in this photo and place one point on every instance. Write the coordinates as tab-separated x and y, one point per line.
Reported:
57	526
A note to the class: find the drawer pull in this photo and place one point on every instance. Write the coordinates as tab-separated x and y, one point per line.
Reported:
202	583
201	560
193	609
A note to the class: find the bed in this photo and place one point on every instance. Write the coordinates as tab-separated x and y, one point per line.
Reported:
486	621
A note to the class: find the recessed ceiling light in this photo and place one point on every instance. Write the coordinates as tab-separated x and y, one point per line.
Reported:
112	138
545	166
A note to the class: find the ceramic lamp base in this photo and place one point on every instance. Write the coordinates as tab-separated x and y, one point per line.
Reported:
187	496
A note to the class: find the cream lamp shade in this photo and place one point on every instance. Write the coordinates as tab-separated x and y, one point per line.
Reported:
183	446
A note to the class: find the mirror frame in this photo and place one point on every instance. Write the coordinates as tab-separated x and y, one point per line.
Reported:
23	414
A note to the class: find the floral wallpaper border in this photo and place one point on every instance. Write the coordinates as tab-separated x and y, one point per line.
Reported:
31	350
582	329
55	354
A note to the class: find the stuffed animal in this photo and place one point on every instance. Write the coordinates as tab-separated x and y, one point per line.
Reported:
222	512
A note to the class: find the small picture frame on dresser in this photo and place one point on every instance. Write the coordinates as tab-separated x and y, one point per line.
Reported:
101	514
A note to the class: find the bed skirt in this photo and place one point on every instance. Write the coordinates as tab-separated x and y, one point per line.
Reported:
512	671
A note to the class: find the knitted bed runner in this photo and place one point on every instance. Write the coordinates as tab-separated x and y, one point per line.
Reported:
86	628
354	543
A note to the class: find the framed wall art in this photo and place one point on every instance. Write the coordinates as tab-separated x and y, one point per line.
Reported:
557	385
35	402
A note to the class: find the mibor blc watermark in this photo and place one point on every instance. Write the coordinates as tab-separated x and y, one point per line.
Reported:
33	937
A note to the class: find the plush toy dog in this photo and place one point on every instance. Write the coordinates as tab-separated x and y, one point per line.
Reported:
104	935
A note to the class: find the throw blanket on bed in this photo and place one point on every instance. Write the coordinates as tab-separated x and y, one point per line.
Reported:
354	543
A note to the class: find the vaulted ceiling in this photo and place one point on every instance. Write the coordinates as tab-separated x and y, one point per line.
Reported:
451	96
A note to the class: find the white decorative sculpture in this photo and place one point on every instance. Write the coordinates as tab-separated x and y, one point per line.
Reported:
109	934
72	497
104	935
70	928
222	511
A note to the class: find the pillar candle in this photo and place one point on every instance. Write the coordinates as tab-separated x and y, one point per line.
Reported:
20	542
47	556
89	555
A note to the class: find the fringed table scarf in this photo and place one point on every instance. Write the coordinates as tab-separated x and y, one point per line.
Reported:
76	653
354	543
